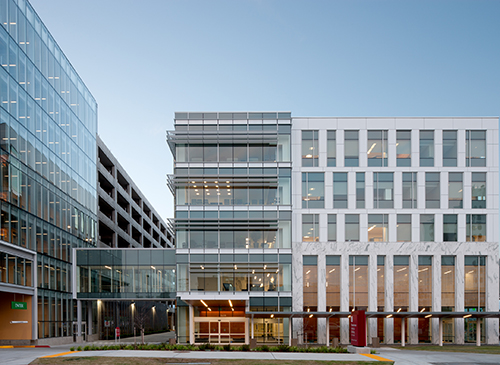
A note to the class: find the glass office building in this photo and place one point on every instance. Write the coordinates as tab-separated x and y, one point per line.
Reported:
48	124
232	184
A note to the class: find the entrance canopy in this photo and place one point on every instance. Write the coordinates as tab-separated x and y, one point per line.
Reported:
373	314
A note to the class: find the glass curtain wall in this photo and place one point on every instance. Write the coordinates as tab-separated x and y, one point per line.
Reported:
475	294
448	296
401	292
424	297
310	297
403	148
333	293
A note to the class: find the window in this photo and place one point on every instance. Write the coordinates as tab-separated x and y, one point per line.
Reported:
426	148
310	227
360	189
455	190
409	190
475	283
448	284
450	233
404	227
449	148
331	148
475	148
313	190
309	148
352	227
478	190
340	189
401	283
377	148
427	227
424	295
310	282
476	228
332	227
377	228
432	190
358	282
333	284
383	185
403	148
351	148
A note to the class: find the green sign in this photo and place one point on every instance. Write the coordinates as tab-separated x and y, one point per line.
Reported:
19	305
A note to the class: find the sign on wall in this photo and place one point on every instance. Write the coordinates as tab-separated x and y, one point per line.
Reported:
19	305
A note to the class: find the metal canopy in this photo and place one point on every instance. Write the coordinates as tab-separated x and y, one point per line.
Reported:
374	314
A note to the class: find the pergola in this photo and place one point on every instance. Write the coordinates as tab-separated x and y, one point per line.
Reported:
402	315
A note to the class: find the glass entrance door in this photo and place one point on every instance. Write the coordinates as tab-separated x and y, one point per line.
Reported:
219	331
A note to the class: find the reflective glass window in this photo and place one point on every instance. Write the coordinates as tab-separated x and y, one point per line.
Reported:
351	148
427	227
310	148
332	227
378	228
383	190
449	148
340	190
450	228
377	148
432	190
476	227
426	148
310	227
475	148
331	148
409	190
352	227
360	189
313	189
403	148
455	190
478	190
404	227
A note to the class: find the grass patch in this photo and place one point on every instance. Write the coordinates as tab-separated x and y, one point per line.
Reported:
157	361
483	349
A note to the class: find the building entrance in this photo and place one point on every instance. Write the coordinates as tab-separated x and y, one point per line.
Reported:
220	330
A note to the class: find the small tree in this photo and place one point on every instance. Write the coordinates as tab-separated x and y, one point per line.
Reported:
140	317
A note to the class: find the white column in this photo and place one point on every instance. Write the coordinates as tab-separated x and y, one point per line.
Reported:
79	320
252	326
289	332
389	299
371	330
459	298
436	297
322	327
440	342
344	297
478	332
89	319
413	322
403	332
191	324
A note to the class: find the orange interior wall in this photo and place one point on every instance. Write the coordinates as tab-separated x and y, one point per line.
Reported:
17	331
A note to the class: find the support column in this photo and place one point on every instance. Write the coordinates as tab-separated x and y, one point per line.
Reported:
371	323
252	326
344	298
440	342
389	299
413	322
89	319
436	297
403	332
328	332
191	324
322	327
459	298
79	321
478	331
289	332
492	292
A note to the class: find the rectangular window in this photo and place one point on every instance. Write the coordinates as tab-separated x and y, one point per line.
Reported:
476	228
427	227
358	282
424	295
360	189
352	227
409	190
331	148
377	148
432	190
313	190
310	282
310	227
455	190
377	228
475	283
401	284
404	227
309	148
403	148
478	190
426	148
351	148
383	190
340	189
333	285
332	227
475	148
450	229
449	148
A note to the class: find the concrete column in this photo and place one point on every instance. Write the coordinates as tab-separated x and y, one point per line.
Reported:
89	319
478	332
322	327
289	332
389	299
436	297
34	309
459	298
79	321
344	297
403	332
440	334
191	324
492	292
371	330
413	322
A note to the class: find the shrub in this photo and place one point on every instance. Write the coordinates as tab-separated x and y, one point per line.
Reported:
219	348
79	348
283	348
264	348
227	347
245	348
71	349
372	351
129	347
86	348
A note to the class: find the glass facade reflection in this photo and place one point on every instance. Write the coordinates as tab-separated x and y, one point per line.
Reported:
48	125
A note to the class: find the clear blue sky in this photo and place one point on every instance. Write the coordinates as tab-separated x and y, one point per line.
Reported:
144	60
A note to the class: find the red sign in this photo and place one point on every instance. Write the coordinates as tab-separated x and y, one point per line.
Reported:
117	331
358	328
